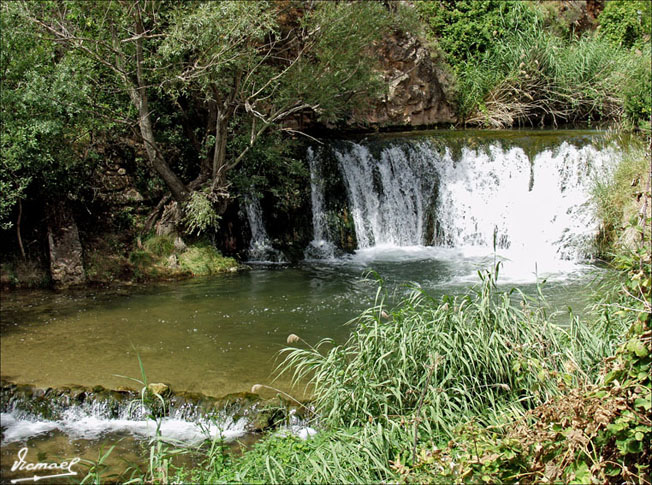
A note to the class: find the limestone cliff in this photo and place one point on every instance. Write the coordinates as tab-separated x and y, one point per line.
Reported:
415	87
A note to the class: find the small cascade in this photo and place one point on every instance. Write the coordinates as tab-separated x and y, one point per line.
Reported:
260	246
480	197
88	416
320	247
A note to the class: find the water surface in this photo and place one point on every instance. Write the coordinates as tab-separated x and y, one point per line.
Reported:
222	334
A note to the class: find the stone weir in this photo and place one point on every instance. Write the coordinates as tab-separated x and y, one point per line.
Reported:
89	413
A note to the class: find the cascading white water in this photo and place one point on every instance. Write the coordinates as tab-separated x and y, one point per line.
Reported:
389	196
91	421
260	246
540	206
408	194
320	247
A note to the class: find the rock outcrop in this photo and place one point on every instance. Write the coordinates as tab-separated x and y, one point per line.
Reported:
113	186
415	91
66	264
414	87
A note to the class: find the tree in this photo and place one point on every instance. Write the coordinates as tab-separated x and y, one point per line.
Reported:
251	65
45	134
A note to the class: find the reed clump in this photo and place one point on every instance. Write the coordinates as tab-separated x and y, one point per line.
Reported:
534	77
465	357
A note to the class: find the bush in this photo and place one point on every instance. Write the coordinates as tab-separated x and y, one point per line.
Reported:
637	91
467	28
626	23
597	434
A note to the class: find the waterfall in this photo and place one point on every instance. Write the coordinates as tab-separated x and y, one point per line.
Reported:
320	247
389	195
260	246
482	197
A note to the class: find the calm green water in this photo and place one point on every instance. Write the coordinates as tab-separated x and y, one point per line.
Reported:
222	334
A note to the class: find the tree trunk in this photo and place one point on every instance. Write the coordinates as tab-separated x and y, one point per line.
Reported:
20	239
174	183
219	155
139	98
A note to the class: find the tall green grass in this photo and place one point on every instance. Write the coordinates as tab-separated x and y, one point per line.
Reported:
453	358
534	77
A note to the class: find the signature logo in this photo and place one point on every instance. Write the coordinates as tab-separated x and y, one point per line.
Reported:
63	469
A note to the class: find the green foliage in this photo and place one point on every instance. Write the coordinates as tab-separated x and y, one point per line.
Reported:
618	195
637	90
19	273
626	23
355	455
327	74
203	259
564	19
200	215
466	29
273	168
514	67
336	92
222	37
45	124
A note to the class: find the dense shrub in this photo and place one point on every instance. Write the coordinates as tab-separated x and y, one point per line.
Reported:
626	23
467	28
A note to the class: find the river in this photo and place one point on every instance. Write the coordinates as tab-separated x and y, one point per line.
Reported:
428	209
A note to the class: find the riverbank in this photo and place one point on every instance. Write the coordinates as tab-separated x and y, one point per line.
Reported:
110	262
